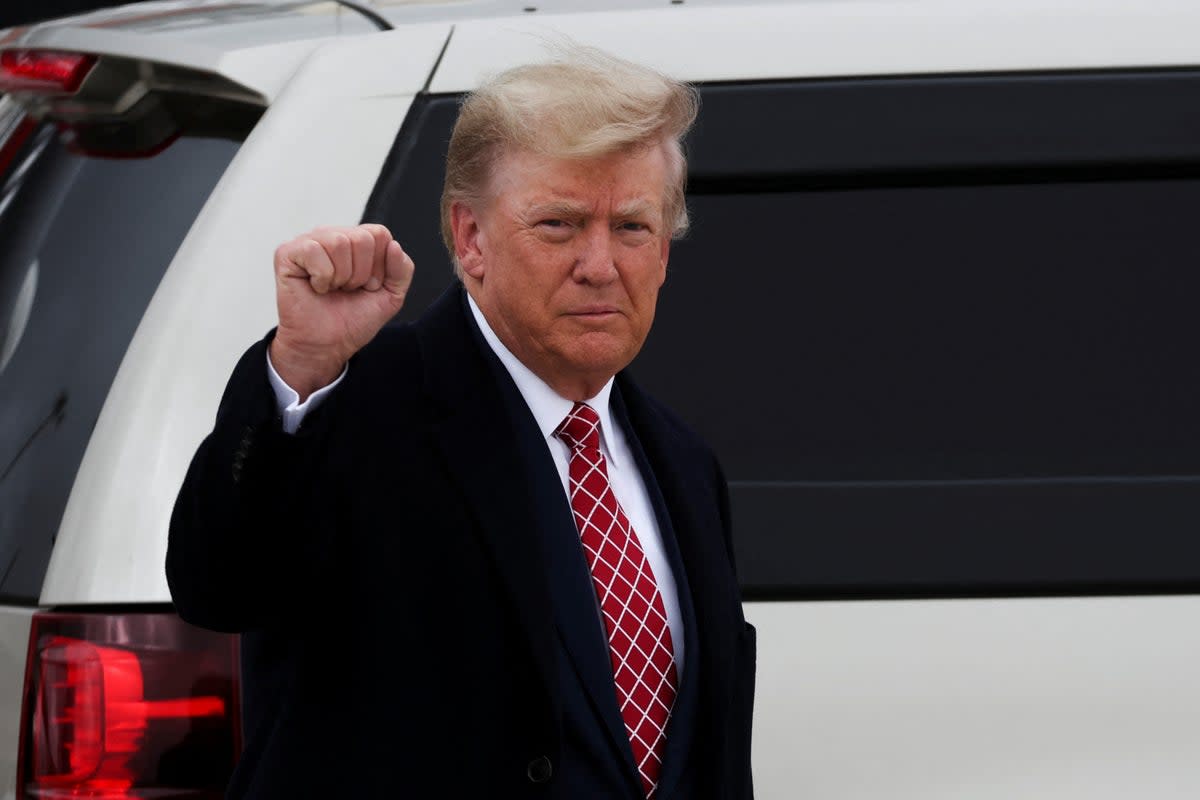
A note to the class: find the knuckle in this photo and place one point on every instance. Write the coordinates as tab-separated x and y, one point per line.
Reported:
312	251
364	238
342	252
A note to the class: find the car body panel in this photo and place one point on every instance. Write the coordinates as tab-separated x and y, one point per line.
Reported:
989	699
14	650
262	68
762	42
224	25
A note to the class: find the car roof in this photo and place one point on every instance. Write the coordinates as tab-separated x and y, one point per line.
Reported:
712	42
247	24
253	49
699	40
253	23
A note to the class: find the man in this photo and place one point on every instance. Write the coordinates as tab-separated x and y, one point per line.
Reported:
469	557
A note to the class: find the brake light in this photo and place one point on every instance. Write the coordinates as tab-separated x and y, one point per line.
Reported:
43	70
123	706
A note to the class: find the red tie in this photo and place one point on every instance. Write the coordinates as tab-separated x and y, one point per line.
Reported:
639	639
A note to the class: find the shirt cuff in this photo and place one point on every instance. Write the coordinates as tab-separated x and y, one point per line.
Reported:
287	399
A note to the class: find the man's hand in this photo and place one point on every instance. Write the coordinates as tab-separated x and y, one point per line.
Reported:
335	288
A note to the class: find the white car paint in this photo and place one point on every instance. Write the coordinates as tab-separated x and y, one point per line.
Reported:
264	69
1062	699
855	38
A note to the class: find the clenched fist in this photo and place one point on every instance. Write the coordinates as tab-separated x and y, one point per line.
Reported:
335	288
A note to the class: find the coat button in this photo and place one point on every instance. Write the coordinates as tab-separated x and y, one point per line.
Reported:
540	770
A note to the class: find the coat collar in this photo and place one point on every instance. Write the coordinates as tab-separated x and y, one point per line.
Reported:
548	407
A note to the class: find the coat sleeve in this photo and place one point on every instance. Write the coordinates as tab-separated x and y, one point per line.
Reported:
247	531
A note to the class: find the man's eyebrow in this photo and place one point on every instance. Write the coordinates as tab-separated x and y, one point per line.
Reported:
566	208
634	208
557	208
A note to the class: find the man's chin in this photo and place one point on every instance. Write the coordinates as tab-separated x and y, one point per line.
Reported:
600	355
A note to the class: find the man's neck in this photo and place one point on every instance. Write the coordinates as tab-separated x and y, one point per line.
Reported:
581	389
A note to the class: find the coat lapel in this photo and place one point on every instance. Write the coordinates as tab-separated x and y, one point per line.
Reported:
580	628
481	448
687	477
575	609
682	723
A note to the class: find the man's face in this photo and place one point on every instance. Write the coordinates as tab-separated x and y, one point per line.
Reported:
565	259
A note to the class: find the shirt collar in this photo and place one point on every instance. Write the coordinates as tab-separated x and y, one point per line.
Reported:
548	407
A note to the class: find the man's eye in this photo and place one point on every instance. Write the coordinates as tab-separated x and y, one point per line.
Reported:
634	226
554	223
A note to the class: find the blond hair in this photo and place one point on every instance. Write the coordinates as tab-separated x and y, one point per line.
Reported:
585	104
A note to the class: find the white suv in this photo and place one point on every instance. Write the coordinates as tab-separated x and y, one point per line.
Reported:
943	263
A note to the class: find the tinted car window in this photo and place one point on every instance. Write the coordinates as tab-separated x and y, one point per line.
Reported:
939	330
83	244
939	334
951	389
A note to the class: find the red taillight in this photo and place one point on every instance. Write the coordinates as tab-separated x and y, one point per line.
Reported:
122	706
43	70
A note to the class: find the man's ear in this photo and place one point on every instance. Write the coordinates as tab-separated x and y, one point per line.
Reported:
468	239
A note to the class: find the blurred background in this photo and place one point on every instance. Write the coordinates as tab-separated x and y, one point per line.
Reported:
23	12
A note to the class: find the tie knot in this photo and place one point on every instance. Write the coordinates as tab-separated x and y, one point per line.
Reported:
580	428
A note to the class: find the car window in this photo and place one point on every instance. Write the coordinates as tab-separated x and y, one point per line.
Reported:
938	330
83	244
962	387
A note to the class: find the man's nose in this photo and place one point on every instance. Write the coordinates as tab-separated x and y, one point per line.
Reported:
596	261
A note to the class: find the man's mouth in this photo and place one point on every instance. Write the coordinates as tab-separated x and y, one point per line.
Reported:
594	312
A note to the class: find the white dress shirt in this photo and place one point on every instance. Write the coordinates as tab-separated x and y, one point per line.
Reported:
287	399
549	409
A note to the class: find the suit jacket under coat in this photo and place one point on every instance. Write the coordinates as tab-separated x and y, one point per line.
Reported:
394	600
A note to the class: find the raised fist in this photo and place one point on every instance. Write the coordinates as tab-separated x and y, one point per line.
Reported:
335	288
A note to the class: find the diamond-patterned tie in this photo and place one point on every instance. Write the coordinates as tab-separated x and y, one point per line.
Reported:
639	639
